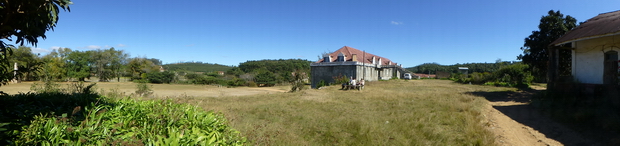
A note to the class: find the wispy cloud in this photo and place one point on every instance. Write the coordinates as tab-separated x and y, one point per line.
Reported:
40	50
93	47
54	48
396	23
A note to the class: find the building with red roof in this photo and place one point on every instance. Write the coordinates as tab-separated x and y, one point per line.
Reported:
351	62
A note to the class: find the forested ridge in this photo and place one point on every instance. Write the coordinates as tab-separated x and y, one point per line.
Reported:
432	68
196	67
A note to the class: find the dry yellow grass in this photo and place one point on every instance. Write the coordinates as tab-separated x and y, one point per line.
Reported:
397	112
417	112
159	90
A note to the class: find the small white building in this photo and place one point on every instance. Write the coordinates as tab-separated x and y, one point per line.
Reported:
594	47
463	70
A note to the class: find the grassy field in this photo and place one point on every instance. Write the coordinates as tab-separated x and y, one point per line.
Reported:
416	112
159	90
396	112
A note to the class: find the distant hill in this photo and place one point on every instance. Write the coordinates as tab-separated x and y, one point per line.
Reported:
196	67
473	67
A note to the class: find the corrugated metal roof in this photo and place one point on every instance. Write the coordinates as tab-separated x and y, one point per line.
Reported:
604	24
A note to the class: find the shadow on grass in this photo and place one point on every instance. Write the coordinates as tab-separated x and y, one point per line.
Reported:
521	111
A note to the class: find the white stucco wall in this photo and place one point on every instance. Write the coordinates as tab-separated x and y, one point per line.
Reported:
588	67
588	58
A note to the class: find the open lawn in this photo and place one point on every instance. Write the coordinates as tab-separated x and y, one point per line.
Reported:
159	90
398	112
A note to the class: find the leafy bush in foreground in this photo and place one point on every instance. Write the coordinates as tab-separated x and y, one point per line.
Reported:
57	118
128	121
17	111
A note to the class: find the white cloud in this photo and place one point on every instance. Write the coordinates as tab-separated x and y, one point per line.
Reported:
396	23
121	45
40	50
93	47
54	48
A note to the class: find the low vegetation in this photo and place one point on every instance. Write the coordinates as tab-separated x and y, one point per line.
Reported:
515	75
65	117
433	68
196	67
395	112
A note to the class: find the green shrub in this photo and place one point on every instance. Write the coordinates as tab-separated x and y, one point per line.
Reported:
213	74
480	78
48	86
79	87
515	75
132	122
340	79
208	80
85	118
143	89
297	81
321	84
252	84
192	76
19	110
266	78
236	82
160	77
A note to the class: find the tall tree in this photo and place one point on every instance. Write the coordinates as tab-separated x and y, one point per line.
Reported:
25	21
138	67
107	63
535	49
55	64
78	65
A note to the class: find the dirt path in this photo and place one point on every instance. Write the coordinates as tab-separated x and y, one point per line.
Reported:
516	123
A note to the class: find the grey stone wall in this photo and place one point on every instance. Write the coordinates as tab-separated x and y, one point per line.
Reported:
327	73
369	72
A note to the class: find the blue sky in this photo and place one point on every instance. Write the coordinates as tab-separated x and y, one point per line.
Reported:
229	32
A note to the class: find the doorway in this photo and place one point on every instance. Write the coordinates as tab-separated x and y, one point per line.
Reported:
610	70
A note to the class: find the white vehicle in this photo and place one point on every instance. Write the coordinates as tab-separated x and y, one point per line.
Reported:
407	76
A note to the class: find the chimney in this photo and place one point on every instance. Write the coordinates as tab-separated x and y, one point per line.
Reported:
373	60
379	61
353	57
389	63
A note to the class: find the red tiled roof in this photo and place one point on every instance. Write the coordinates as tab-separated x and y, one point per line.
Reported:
349	51
604	24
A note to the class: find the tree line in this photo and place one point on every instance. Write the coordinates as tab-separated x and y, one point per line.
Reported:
432	68
64	64
196	67
257	73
